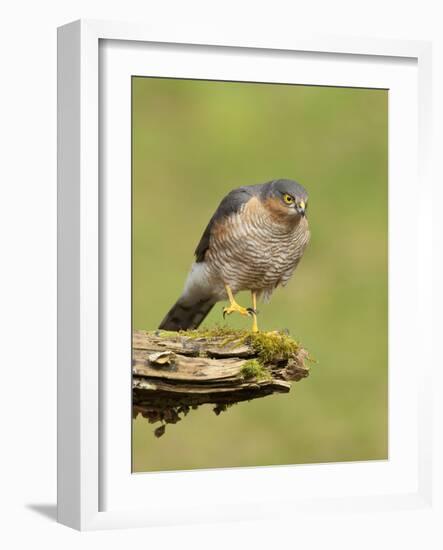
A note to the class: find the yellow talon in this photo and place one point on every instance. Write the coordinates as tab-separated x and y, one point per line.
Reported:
234	307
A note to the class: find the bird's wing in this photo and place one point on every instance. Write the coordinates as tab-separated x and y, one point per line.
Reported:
228	206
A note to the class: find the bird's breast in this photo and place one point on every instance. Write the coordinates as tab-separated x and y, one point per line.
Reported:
250	250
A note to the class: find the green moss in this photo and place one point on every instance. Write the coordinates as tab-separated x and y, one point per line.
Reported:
269	346
253	369
272	346
225	334
214	332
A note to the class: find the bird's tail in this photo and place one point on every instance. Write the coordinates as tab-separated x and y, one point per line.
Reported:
187	314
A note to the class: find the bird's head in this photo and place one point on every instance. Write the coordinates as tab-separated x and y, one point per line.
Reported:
286	198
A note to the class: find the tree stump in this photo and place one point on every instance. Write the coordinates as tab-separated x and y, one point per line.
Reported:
174	372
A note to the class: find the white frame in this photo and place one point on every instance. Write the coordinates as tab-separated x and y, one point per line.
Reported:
78	203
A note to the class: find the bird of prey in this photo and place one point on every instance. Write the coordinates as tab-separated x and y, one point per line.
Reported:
254	242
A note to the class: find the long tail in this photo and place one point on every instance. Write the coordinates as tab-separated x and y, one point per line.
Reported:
186	314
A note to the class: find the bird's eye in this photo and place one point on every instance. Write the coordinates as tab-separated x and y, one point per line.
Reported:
288	198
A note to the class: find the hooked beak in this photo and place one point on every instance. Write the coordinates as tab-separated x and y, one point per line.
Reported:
301	208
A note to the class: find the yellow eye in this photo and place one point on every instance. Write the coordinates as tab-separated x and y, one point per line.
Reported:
288	199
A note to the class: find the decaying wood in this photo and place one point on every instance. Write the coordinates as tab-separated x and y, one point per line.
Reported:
173	373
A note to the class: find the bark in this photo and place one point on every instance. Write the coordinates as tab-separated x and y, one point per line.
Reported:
174	372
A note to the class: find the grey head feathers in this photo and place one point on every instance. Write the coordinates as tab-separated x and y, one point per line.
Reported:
284	186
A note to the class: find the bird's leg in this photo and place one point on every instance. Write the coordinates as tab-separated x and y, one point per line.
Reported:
233	306
254	311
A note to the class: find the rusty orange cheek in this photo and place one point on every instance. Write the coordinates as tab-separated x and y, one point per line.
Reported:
276	209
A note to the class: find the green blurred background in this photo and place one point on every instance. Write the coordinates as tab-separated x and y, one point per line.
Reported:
193	141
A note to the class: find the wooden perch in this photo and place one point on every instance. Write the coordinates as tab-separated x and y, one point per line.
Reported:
174	372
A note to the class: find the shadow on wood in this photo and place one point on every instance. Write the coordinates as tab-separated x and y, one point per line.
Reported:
174	372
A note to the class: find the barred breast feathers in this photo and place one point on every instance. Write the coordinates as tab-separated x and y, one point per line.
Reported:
255	249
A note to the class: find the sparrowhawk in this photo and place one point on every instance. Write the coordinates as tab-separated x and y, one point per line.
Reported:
254	242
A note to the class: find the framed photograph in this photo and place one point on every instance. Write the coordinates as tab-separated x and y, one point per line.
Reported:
244	267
